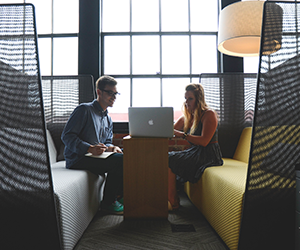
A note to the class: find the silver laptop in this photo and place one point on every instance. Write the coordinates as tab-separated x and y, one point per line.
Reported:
151	122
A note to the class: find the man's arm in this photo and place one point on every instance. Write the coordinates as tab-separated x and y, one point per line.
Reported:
109	140
70	134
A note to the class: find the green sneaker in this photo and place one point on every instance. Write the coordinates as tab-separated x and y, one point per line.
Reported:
114	208
121	201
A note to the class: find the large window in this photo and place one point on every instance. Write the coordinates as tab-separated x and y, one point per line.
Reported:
251	64
57	28
154	48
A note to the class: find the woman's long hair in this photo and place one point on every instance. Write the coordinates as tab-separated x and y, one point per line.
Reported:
200	104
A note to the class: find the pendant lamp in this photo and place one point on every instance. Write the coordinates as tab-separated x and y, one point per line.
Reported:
240	26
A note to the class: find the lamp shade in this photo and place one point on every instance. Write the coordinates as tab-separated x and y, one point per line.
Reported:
240	29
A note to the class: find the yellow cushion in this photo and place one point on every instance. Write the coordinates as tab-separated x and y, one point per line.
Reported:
243	147
220	191
219	196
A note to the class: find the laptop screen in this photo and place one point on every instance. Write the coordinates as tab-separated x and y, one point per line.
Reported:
151	122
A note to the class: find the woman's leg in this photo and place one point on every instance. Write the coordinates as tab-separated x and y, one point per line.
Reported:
172	190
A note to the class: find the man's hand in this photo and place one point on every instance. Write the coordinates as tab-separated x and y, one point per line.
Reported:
97	149
114	149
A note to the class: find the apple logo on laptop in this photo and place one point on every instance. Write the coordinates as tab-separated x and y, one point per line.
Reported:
150	122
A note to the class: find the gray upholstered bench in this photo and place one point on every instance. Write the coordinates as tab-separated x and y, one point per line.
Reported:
77	194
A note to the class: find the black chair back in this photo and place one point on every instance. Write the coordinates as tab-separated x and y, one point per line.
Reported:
268	219
61	95
232	95
27	209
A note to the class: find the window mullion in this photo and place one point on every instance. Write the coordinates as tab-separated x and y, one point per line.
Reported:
160	55
190	38
130	53
52	44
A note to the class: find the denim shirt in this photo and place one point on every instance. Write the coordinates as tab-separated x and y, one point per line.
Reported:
87	125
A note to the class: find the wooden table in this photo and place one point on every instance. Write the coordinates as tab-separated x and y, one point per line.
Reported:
145	170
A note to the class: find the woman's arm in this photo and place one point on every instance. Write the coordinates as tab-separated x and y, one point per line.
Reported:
210	123
178	127
179	124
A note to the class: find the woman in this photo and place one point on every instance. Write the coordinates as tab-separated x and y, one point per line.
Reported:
198	126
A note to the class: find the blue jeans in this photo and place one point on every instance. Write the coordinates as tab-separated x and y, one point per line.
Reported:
113	166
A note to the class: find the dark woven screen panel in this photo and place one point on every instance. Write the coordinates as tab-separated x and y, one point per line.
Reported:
61	95
232	95
269	207
27	209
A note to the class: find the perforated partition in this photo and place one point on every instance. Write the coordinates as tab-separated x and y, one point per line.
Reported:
232	95
27	209
61	95
268	219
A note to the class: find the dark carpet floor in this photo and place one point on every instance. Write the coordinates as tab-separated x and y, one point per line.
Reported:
184	229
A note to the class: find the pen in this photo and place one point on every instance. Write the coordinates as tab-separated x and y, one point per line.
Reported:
103	145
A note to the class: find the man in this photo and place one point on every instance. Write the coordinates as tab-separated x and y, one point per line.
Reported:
90	130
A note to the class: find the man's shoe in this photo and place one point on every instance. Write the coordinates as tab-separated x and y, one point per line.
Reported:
121	201
114	208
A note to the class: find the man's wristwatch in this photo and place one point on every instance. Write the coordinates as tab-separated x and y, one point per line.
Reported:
184	135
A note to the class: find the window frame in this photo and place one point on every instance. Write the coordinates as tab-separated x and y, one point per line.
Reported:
90	58
123	126
52	36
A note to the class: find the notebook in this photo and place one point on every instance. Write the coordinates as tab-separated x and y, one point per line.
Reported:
104	155
151	122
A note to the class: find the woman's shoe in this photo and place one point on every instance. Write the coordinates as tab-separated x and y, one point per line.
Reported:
172	207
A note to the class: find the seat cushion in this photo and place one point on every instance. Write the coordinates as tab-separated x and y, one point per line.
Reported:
51	147
77	194
219	196
243	147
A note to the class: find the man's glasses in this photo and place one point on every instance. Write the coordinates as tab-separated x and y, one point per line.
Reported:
110	93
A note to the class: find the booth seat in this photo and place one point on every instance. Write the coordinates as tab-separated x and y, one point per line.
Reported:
220	191
77	193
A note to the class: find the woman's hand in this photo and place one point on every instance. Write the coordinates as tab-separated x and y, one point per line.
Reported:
178	134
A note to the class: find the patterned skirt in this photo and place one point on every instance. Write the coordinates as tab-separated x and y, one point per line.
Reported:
190	164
